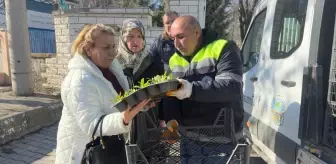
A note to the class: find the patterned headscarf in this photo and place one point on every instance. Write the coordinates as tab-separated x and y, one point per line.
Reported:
125	56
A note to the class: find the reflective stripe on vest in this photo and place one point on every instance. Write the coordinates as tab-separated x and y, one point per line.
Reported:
203	62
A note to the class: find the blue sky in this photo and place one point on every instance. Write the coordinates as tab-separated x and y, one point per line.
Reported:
156	2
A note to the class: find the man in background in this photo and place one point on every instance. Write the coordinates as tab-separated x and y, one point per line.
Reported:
163	47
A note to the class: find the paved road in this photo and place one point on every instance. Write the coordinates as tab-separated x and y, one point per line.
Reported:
37	148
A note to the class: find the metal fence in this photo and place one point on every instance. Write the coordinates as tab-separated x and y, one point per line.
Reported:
42	41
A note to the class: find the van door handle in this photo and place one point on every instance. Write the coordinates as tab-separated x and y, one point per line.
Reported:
288	83
254	79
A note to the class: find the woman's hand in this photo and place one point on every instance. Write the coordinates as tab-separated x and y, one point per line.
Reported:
151	104
131	112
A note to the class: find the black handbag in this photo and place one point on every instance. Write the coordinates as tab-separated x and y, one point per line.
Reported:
104	149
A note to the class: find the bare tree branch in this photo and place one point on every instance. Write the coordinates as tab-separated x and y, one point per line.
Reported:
245	9
218	16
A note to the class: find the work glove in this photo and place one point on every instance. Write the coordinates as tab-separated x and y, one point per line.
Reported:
183	92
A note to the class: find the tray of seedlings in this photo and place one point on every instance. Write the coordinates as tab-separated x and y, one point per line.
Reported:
154	88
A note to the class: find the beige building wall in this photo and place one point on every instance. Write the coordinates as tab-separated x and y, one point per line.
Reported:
5	73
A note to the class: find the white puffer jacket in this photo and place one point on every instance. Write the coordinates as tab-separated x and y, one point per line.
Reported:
87	95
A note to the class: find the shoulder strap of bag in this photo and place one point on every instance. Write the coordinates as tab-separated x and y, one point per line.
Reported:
101	134
96	127
101	129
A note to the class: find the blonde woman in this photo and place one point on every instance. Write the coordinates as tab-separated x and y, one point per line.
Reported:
93	80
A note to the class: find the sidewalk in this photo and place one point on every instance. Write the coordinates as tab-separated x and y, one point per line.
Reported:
34	148
22	115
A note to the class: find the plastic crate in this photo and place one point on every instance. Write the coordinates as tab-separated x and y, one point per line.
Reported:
194	145
215	144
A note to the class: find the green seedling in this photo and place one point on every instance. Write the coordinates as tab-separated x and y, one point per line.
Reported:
131	91
142	84
122	96
169	77
161	78
118	98
155	80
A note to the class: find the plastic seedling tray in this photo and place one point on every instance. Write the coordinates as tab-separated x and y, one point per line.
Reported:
159	89
132	99
141	94
153	91
168	86
121	105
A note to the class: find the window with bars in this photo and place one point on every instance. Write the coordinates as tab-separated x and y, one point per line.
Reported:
288	27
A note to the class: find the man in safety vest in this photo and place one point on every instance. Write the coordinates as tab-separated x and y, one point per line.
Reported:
210	71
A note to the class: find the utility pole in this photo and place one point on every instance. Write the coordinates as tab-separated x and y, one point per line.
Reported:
18	47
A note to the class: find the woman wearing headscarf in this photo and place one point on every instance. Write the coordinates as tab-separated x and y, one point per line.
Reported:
136	62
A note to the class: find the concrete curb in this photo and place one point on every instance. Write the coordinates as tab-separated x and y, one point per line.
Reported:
5	88
19	124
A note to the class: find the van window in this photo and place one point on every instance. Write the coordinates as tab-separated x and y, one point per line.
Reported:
288	25
251	47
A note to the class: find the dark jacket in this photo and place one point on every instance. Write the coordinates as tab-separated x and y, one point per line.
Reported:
164	49
210	95
150	67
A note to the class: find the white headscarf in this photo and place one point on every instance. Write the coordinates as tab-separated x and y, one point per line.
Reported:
125	56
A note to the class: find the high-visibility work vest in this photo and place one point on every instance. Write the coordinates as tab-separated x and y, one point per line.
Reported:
203	62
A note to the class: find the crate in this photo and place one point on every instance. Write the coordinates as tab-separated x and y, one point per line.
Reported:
215	144
329	136
194	145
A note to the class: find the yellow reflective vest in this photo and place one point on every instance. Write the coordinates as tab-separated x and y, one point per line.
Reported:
203	62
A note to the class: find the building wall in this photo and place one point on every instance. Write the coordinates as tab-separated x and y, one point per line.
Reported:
40	26
5	72
42	42
69	23
195	8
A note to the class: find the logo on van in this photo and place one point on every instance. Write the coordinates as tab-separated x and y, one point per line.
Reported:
277	111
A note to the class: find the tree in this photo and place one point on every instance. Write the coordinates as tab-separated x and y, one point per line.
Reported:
131	3
157	18
158	7
245	9
218	16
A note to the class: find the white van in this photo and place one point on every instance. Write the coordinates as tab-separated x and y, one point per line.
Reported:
289	56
